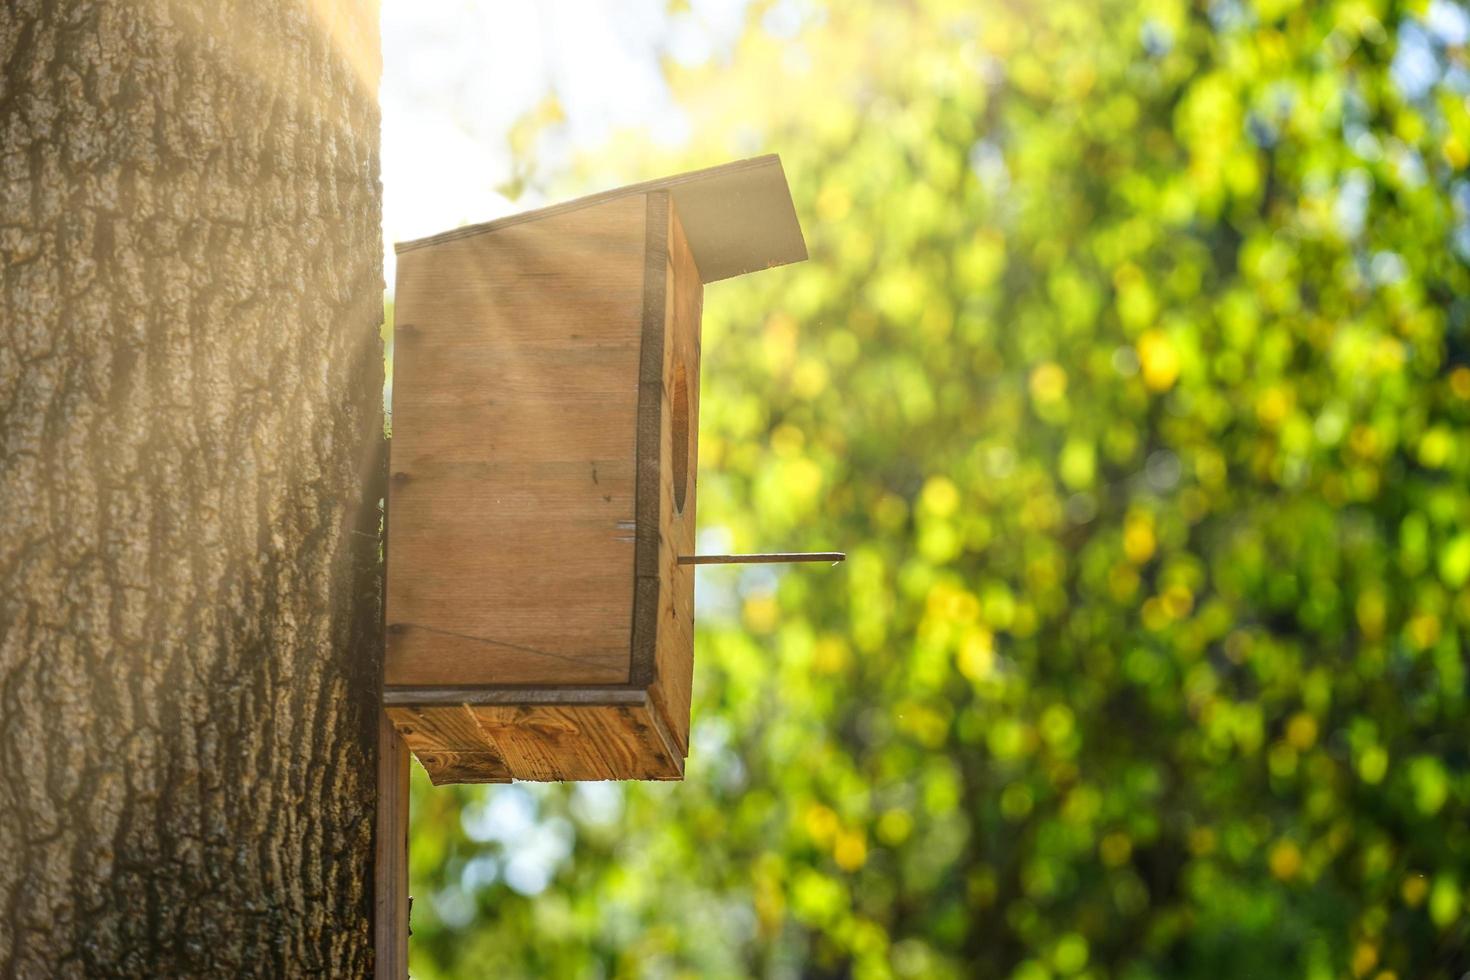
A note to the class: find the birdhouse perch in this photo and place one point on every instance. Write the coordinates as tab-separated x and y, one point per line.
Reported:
540	603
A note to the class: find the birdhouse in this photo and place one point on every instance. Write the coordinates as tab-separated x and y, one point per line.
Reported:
541	505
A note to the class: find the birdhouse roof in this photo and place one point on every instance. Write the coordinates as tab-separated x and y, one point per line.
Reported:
738	217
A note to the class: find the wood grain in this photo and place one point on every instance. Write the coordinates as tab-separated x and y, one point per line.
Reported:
651	450
674	655
390	870
515	404
739	216
605	694
449	744
766	558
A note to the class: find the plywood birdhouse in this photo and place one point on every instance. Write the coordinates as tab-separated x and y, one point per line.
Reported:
540	620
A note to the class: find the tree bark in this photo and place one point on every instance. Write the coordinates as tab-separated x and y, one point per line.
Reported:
190	419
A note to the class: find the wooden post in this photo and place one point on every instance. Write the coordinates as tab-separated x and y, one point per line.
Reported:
390	914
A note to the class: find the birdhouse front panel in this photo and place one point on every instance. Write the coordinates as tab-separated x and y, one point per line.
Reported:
543	483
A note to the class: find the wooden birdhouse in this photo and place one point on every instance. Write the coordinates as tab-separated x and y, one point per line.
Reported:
540	620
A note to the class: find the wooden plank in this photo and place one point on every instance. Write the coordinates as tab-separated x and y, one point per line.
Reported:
588	742
739	217
451	768
650	453
674	655
449	744
390	867
515	408
767	558
662	744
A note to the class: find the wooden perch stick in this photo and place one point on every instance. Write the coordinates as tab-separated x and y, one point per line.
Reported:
781	556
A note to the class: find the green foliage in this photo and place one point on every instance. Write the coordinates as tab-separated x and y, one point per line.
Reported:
1131	368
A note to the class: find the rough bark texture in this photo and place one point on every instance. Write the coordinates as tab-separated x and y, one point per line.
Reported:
190	395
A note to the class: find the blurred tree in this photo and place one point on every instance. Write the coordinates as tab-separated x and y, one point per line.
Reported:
1131	367
190	383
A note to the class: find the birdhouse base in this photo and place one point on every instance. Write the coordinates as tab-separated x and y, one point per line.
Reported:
622	736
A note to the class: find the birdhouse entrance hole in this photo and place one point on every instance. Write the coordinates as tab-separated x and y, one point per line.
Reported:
680	434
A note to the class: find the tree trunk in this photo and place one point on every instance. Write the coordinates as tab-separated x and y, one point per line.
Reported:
190	419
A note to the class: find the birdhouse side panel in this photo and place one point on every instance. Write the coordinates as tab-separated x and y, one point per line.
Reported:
512	497
674	655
